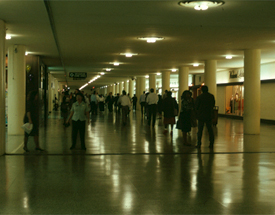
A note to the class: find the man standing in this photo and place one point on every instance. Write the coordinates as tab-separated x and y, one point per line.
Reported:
204	106
125	103
152	101
142	102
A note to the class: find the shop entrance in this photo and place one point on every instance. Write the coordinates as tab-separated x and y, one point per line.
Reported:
235	100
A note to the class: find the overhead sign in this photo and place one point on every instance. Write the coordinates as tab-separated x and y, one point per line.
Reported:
78	75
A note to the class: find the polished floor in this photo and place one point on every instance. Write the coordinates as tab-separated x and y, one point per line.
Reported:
136	169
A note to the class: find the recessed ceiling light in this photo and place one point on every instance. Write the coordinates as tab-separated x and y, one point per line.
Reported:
201	5
8	37
108	69
102	73
146	76
158	73
173	70
228	57
151	39
116	64
26	53
127	80
128	54
122	82
195	64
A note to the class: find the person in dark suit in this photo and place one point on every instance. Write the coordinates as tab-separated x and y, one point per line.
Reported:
110	101
134	100
204	109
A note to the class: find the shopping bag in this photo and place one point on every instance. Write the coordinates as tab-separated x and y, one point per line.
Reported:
27	127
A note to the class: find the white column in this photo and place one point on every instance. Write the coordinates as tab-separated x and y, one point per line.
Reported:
2	87
117	88
210	76
183	82
114	89
121	87
131	88
152	81
252	91
17	88
140	87
126	86
165	81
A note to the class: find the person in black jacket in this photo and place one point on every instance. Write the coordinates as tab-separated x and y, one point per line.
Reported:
187	106
204	108
110	101
134	100
32	117
169	105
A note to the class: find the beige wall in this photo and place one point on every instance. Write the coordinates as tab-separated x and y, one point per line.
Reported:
268	101
220	100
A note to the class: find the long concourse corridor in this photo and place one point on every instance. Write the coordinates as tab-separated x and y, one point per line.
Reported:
136	169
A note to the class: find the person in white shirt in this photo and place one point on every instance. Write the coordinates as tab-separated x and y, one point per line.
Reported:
101	101
152	101
125	103
142	102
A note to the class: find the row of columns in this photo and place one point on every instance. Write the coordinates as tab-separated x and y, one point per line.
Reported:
17	88
127	85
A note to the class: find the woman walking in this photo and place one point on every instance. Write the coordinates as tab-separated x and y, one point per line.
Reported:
32	117
185	118
79	114
169	107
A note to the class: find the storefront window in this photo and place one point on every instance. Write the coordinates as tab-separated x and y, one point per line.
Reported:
235	100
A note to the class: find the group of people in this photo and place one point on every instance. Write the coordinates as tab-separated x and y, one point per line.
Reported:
190	112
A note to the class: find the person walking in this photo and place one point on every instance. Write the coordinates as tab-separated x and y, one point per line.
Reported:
79	114
32	117
204	109
152	101
110	100
64	109
185	121
134	100
142	102
94	101
101	101
125	103
168	107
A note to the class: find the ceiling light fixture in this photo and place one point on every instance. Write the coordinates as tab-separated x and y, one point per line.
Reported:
173	70
102	73
26	53
108	70
147	76
201	5
151	39
116	64
8	37
228	57
128	54
195	64
158	73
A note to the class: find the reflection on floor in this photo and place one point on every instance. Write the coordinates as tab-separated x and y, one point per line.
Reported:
136	169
